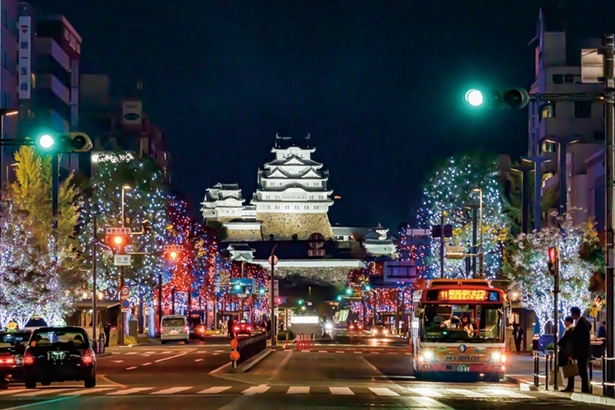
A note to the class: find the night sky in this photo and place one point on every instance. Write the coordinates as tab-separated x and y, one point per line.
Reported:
377	84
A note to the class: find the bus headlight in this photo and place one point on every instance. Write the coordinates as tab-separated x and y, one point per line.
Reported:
498	357
428	355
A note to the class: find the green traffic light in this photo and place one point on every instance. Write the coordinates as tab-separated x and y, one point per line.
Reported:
474	97
368	288
261	291
339	298
46	142
349	291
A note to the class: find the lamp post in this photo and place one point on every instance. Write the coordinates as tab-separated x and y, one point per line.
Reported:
272	263
121	328
481	255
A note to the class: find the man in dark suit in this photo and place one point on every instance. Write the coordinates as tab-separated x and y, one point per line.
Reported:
581	346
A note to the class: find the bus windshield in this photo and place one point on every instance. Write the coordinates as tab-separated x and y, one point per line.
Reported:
462	323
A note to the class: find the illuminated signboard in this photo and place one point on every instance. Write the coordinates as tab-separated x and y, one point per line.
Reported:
469	294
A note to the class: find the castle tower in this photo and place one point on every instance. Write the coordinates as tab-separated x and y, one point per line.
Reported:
224	207
292	199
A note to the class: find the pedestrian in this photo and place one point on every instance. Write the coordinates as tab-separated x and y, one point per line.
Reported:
602	331
581	346
565	351
518	335
107	330
230	328
268	327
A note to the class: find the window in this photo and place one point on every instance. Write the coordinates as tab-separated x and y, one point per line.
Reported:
569	78
558	79
583	109
547	111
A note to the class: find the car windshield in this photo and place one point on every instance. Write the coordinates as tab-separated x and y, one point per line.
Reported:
173	322
469	323
59	338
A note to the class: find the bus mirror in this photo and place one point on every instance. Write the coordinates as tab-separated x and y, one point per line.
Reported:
418	312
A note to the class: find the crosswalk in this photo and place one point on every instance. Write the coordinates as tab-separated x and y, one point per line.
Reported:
424	394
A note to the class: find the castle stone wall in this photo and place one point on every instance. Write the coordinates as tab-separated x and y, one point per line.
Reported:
284	226
243	235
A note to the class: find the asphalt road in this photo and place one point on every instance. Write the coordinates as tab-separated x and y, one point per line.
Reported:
332	377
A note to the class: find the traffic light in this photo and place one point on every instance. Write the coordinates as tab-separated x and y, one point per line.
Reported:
118	241
65	142
553	261
300	302
515	98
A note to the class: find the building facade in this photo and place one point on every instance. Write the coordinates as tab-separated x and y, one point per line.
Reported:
574	125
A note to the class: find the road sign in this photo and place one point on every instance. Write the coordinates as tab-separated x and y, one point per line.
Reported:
276	288
125	292
121	260
125	305
241	286
592	66
118	231
274	259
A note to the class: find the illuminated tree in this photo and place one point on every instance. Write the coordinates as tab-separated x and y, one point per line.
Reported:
145	206
526	266
407	251
449	189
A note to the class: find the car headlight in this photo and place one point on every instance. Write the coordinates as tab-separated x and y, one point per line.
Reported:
428	355
329	326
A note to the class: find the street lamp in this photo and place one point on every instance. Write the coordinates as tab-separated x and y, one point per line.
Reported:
481	255
124	189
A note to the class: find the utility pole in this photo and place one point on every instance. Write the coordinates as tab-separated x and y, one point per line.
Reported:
608	52
442	244
272	263
94	290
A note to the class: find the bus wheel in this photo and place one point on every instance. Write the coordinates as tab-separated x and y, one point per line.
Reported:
418	375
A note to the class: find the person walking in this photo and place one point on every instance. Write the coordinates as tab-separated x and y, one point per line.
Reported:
518	334
565	351
581	347
602	331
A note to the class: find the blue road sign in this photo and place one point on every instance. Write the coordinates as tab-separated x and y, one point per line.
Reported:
241	286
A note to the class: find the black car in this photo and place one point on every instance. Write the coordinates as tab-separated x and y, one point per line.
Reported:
12	348
56	354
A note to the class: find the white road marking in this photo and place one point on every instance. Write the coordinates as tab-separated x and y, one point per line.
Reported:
117	361
215	354
198	360
339	351
85	391
298	390
508	393
131	368
129	391
146	364
322	351
383	391
214	390
425	391
170	357
341	391
37	392
430	403
256	389
131	353
468	393
11	391
172	390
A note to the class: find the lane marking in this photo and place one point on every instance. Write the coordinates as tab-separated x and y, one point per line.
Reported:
40	403
298	390
85	391
219	351
425	391
215	354
106	379
276	373
11	391
146	364
170	357
341	391
131	368
340	351
383	391
262	388
322	351
430	403
117	361
224	366
172	390
129	391
468	393
214	390
198	360
131	353
38	393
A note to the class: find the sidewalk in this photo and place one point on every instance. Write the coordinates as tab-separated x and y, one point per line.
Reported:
520	369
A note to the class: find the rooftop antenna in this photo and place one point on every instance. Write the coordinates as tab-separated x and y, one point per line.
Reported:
308	139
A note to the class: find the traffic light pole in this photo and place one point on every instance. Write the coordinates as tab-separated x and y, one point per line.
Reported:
55	188
442	246
120	322
94	291
555	321
608	51
160	301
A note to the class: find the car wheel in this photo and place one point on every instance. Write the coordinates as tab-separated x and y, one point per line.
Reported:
187	341
90	382
30	384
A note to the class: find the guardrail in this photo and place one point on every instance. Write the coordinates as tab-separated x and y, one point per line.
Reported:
549	366
250	346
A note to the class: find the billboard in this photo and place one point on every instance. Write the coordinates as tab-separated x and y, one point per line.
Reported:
24	55
132	112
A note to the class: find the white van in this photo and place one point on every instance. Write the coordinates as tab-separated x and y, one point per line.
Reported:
174	327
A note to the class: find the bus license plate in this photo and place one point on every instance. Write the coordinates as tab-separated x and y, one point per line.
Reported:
462	368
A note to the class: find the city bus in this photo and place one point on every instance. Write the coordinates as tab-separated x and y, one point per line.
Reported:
459	328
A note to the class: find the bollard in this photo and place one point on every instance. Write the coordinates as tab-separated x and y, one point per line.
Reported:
547	371
536	369
286	343
591	376
313	340
603	376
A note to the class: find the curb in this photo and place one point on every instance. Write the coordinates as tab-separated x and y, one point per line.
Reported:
245	367
523	385
591	399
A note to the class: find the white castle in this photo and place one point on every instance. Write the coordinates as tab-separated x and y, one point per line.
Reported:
291	202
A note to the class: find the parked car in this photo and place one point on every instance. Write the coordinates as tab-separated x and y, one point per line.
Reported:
174	327
12	348
57	354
